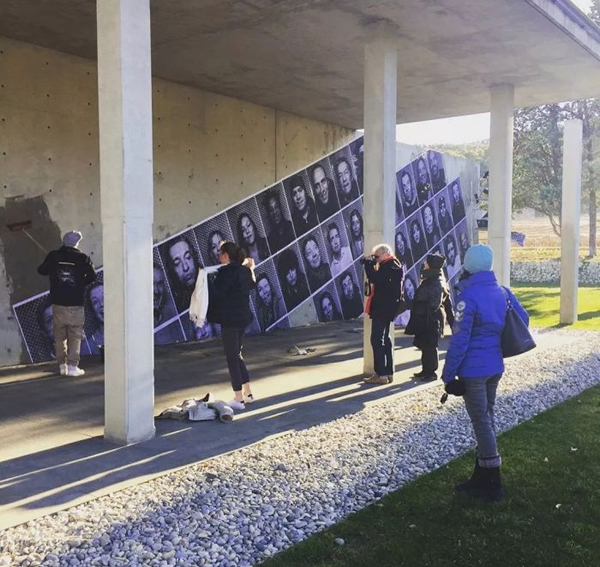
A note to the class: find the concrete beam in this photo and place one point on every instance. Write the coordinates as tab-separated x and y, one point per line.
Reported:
501	170
571	209
380	94
125	119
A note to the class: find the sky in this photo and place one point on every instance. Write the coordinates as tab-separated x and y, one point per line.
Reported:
458	130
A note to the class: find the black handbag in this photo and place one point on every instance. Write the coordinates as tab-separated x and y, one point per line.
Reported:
516	338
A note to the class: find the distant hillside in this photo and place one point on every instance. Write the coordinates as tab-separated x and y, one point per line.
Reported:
477	151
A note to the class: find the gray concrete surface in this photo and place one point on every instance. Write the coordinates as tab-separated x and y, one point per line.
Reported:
53	456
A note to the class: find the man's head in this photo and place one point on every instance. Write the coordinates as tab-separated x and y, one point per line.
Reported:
215	238
464	241
407	188
382	252
344	175
433	164
455	192
159	294
326	302
298	193
273	207
347	285
96	298
246	230
415	230
435	261
311	251
451	250
72	238
320	183
264	290
181	261
442	206
428	219
333	237
356	224
422	171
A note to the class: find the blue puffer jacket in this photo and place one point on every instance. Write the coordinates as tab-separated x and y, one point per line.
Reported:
480	311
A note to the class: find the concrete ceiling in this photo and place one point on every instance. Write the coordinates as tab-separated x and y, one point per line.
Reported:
306	56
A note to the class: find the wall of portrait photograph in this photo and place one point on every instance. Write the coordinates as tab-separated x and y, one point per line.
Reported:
305	234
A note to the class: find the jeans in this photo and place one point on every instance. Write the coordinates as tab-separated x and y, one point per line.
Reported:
233	343
68	332
382	347
480	397
429	360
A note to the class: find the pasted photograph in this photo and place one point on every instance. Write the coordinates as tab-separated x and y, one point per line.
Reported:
209	235
276	217
403	252
302	203
418	244
253	327
345	176
268	297
452	254
353	219
181	261
169	333
436	170
430	225
411	280
193	332
316	264
462	239
94	313
321	180
357	150
248	230
328	305
422	179
444	215
408	192
291	277
164	306
398	209
338	247
456	198
350	293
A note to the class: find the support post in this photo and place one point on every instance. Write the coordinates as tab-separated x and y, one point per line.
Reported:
380	95
126	175
571	209
501	170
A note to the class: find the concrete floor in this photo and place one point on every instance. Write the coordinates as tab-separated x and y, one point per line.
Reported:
53	456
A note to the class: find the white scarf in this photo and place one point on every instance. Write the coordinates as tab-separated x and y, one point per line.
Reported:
199	301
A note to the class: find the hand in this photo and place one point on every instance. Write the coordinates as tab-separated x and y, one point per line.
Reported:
249	263
455	387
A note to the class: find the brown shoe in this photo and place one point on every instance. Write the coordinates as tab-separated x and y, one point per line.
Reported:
375	379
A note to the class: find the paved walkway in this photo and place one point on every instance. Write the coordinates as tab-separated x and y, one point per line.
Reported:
53	456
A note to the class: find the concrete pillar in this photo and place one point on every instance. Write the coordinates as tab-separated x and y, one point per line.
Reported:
380	91
501	169
571	208
125	120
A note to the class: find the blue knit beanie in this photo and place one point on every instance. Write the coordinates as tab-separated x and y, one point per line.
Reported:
479	258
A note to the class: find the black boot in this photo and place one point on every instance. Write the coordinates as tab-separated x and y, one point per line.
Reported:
491	486
474	483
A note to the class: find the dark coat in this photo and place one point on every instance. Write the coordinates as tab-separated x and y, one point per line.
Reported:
281	235
427	315
70	271
228	300
302	224
387	290
319	277
352	308
294	295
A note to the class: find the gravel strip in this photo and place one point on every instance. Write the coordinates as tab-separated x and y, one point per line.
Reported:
243	507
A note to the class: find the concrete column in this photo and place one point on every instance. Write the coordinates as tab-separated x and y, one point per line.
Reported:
125	116
571	208
380	88
501	169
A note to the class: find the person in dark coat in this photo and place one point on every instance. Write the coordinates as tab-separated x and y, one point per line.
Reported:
474	363
385	275
229	305
427	315
281	231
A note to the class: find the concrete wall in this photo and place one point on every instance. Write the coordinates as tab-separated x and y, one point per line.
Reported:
209	152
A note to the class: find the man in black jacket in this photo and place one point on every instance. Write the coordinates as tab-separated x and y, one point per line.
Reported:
385	275
70	271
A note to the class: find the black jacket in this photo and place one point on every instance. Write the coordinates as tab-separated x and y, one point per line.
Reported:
228	299
70	271
427	315
387	292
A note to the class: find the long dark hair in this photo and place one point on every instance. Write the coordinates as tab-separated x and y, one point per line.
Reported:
235	252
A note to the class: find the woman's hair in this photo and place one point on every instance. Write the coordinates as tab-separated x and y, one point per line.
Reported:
288	261
354	212
235	253
240	235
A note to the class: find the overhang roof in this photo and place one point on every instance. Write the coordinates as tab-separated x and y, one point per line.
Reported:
306	56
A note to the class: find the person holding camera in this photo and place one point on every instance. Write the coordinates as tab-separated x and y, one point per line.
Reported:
474	363
385	275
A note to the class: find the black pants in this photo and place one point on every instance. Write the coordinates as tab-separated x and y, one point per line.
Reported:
233	343
382	347
429	360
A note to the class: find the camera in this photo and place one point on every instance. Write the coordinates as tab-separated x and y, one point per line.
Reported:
368	260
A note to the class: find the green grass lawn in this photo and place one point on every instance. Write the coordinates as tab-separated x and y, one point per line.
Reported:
542	304
550	515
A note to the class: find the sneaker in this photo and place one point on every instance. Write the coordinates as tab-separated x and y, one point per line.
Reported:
375	379
428	378
390	379
62	369
418	374
75	371
237	406
249	399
